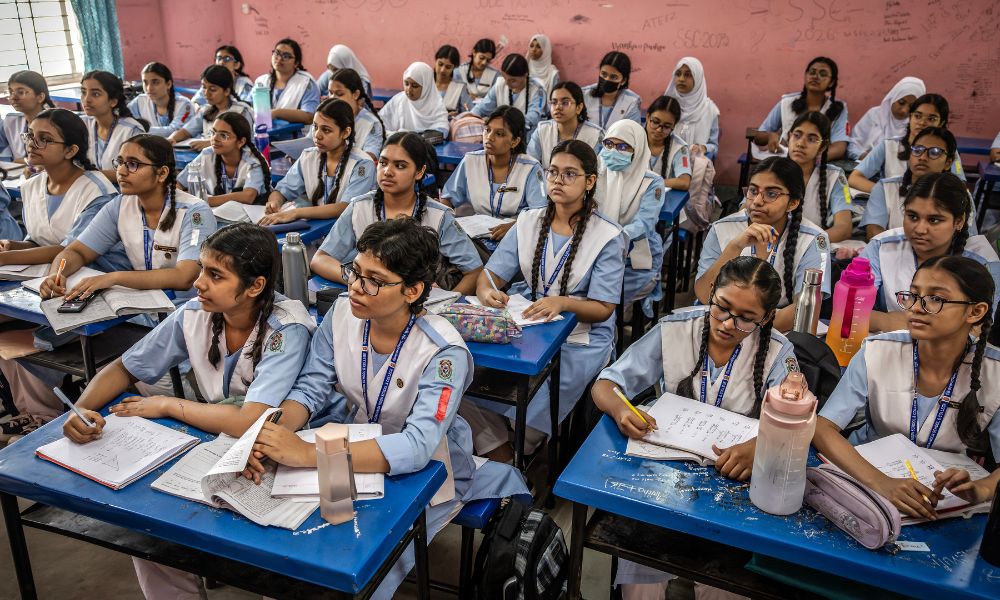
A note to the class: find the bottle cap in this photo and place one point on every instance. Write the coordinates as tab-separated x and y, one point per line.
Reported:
331	438
292	237
813	276
858	273
793	397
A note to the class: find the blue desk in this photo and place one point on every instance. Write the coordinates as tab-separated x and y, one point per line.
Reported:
452	153
696	501
383	95
317	230
974	145
670	216
989	177
328	556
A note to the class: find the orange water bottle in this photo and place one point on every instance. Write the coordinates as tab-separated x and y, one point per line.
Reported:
853	298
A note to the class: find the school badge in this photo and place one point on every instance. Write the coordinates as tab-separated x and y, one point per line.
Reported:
659	193
361	171
821	243
277	342
399	383
445	372
791	365
196	218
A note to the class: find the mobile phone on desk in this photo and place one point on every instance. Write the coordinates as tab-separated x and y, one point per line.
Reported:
77	306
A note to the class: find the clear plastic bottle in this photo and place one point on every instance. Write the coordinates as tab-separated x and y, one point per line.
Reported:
262	119
336	474
853	299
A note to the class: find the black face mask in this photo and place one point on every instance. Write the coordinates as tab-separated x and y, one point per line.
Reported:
606	87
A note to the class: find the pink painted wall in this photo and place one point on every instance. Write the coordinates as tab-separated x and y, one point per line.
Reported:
753	50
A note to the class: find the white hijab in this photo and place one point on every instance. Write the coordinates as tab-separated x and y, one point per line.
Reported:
542	69
343	57
620	191
423	113
698	112
880	123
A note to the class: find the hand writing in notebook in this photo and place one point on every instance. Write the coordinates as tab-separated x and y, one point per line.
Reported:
79	432
497	232
960	483
151	407
736	461
90	285
908	494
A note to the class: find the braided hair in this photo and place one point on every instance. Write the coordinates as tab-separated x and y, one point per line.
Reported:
115	90
744	271
417	149
483	46
163	72
241	129
350	79
948	193
222	77
36	82
74	133
237	55
296	51
939	103
822	124
342	115
249	251
577	93
790	174
515	65
160	154
799	105
407	249
671	105
951	150
620	61
588	161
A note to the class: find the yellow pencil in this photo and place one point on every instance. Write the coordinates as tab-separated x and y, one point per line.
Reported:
629	405
913	474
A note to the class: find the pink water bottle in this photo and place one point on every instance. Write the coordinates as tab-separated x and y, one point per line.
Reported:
853	298
787	424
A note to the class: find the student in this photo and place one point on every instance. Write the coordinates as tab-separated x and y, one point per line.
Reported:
454	94
937	210
244	342
477	74
232	169
609	100
160	105
384	320
217	87
821	77
9	229
418	107
889	157
699	124
326	177
570	258
402	166
933	381
771	227
631	195
828	199
886	121
108	118
500	180
568	122
231	58
369	132
515	89
294	94
342	57
540	65
29	95
713	354
669	153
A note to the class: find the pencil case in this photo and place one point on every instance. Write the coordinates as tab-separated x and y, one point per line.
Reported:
862	513
482	323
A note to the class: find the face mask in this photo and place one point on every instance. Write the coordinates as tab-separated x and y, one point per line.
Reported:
616	160
606	87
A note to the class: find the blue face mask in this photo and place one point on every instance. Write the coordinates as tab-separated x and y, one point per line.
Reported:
616	160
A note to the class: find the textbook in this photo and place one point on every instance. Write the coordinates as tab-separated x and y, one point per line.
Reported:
129	447
302	483
71	281
111	303
212	474
687	430
23	272
238	212
478	226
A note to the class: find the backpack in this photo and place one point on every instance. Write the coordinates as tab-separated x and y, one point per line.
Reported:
467	127
522	557
818	364
701	202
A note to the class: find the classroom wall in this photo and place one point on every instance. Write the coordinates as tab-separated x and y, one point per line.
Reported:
753	50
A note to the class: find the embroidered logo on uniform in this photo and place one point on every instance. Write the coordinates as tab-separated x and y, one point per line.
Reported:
821	242
277	342
659	193
196	218
399	383
445	371
791	365
361	171
539	175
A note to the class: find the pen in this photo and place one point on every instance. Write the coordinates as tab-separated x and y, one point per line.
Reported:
913	474
619	393
489	276
72	406
59	271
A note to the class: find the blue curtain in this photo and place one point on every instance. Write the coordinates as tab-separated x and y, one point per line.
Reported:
102	46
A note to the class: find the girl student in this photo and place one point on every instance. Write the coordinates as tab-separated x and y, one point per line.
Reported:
500	180
726	354
326	176
245	343
29	95
827	200
933	382
159	104
477	75
571	259
382	332
231	58
9	229
232	168
609	100
540	65
669	153
342	57
108	118
515	89
405	160
888	158
936	214
699	122
369	133
294	94
454	94
217	86
568	122
886	121
771	227
418	107
821	77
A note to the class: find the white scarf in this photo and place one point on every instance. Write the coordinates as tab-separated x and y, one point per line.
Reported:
542	69
878	123
698	112
620	191
342	57
426	112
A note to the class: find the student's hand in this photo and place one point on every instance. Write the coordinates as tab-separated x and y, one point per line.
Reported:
78	431
547	308
755	234
844	253
200	145
255	467
152	407
908	495
4	245
273	205
735	462
960	483
630	425
284	447
698	150
497	233
863	155
91	285
494	299
278	217
773	141
52	286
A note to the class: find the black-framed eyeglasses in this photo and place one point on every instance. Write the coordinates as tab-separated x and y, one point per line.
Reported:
722	315
620	146
752	192
933	152
931	304
656	124
567	177
38	142
224	59
131	165
283	55
369	285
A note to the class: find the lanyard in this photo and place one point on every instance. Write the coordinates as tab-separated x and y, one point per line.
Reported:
562	261
327	183
374	416
495	209
725	377
227	185
98	142
772	252
148	238
944	401
415	204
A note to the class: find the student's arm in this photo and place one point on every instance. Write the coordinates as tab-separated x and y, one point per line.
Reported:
640	367
769	132
307	106
27	253
77	255
634	112
336	247
455	191
681	171
838	136
488	103
842	226
876	216
860	182
839	203
643	224
535	146
461	252
712	146
713	256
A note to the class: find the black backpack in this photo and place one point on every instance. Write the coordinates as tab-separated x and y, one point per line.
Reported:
817	362
522	557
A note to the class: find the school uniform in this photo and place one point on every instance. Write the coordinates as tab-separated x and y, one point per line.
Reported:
886	393
456	97
300	92
478	87
426	112
530	101
249	173
628	105
679	159
894	264
812	250
143	107
242	88
9	229
200	125
545	137
699	122
472	183
368	132
323	83
782	117
837	195
342	57
885	206
58	220
11	145
299	184
879	123
419	415
883	161
101	151
542	68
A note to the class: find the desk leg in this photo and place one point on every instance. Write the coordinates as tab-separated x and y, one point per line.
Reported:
89	363
18	547
671	291
521	400
554	439
984	193
576	549
420	554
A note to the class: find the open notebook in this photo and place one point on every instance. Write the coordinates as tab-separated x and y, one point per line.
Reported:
23	272
478	226
303	483
71	281
516	305
111	303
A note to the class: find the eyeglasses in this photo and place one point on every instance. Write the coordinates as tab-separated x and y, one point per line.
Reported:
131	165
224	136
567	177
621	146
931	305
933	153
811	138
919	116
656	124
369	285
752	192
283	55
564	103
722	315
20	92
224	59
822	73
40	143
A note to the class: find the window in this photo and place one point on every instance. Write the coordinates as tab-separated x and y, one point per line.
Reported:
40	35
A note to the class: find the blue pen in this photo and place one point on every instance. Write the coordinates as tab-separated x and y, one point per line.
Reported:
72	407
